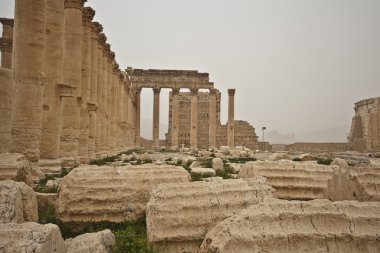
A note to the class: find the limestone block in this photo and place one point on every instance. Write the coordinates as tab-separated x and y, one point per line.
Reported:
50	166
31	237
279	156
203	171
296	226
292	180
100	242
195	164
354	183
145	156
16	167
374	162
307	157
339	162
18	202
179	215
217	164
53	183
235	167
225	150
92	193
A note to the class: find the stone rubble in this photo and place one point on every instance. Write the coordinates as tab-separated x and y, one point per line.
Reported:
100	242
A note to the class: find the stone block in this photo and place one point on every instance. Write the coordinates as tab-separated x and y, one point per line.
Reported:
16	167
100	242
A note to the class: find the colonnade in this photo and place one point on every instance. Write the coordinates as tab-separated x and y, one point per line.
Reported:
70	101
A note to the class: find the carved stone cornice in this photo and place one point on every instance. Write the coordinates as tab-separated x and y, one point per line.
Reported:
175	91
6	45
231	92
88	15
213	91
194	92
77	4
92	107
66	90
7	22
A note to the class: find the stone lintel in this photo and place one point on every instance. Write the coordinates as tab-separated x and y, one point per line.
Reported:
174	85
231	92
92	107
88	15
213	91
77	4
66	90
7	22
6	44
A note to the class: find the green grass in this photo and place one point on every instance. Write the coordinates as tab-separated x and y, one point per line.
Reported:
130	235
324	161
206	163
45	179
131	151
241	160
297	159
44	189
104	161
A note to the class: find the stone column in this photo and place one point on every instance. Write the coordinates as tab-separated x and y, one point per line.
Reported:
156	117
194	119
120	112
175	125
95	30
231	118
99	98
138	118
212	123
6	97
103	104
29	77
6	42
113	103
127	114
88	15
72	64
51	120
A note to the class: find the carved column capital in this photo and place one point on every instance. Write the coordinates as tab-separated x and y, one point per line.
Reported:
112	55
96	28
175	91
231	92
6	45
102	39
7	22
194	92
213	91
77	4
88	15
115	68
138	91
156	91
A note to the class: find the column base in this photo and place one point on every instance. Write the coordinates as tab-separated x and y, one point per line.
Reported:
50	166
69	162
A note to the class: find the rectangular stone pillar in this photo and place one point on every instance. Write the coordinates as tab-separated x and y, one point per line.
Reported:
194	119
28	67
6	42
231	118
156	117
138	118
174	126
212	115
72	67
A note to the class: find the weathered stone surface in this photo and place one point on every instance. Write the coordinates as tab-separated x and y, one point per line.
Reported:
179	215
6	97
340	162
100	242
279	156
354	183
307	157
374	162
18	202
31	237
91	193
292	180
296	226
217	164
47	199
203	171
15	167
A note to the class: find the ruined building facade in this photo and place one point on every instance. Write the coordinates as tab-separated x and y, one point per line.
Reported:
365	129
244	133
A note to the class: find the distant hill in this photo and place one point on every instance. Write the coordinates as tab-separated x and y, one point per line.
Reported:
332	134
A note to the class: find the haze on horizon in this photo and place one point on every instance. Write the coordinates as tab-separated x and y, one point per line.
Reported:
298	66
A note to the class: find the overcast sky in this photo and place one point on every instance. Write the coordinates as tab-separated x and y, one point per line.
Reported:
297	65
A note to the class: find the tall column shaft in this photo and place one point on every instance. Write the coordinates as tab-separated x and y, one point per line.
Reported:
121	118
138	118
212	123
113	102
6	43
72	64
194	119
104	102
6	100
231	118
99	97
51	120
156	117
127	114
28	66
175	126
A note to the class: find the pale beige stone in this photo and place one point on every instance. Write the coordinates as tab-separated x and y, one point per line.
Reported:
194	119
91	193
47	199
296	226
6	97
217	164
292	180
203	171
279	156
231	118
100	242
31	237
18	203
16	167
179	215
339	162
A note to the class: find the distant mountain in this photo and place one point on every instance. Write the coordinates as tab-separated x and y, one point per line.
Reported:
146	130
332	134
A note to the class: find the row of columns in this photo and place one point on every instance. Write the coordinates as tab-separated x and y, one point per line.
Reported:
70	100
194	118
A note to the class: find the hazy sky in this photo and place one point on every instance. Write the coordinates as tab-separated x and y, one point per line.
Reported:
297	65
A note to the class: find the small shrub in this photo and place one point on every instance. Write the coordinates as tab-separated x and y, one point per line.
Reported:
44	189
242	160
212	155
206	163
64	172
324	161
148	161
104	161
45	179
196	177
297	159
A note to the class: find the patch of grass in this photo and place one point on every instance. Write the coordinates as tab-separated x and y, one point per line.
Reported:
65	171
297	159
241	160
196	177
148	161
131	236
131	151
104	161
45	179
44	189
206	163
324	161
179	162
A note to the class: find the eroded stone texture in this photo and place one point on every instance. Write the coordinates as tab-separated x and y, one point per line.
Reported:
18	203
179	215
292	180
92	193
31	237
6	97
100	242
296	226
354	183
15	167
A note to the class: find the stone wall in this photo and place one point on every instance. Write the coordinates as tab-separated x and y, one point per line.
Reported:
317	147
